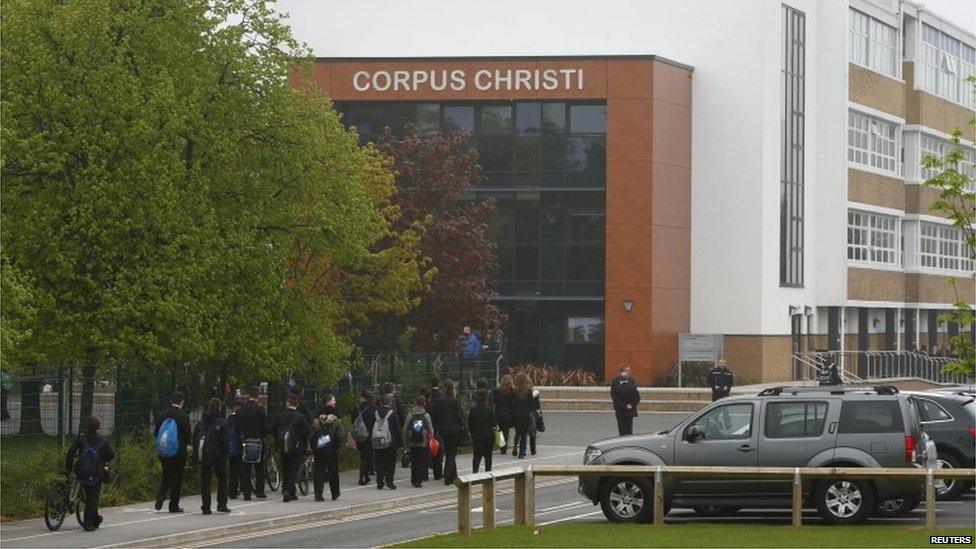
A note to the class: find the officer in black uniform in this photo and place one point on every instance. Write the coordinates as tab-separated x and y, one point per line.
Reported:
720	380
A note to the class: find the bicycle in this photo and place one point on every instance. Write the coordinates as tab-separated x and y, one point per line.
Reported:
63	497
305	474
271	472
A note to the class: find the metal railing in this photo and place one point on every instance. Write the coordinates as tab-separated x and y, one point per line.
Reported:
854	366
525	485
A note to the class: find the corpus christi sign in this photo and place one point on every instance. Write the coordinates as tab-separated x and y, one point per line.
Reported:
436	80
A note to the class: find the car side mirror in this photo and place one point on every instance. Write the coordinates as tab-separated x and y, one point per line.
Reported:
694	433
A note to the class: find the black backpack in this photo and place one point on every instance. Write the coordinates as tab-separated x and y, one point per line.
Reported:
417	431
290	439
208	444
89	466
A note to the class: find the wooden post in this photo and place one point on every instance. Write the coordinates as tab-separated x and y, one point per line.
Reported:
797	499
488	504
520	499
464	509
930	499
658	496
529	497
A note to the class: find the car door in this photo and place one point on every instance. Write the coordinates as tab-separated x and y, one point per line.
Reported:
729	438
793	431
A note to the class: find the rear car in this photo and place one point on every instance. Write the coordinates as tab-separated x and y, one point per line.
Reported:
949	419
779	427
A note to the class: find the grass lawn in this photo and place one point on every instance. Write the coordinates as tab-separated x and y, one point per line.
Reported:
17	448
690	535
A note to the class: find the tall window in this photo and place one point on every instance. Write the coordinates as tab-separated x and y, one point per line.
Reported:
943	247
871	43
943	64
872	142
938	147
791	165
872	238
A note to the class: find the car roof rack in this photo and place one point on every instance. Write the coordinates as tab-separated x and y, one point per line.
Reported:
832	389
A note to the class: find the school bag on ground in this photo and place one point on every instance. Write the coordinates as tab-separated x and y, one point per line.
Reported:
89	466
168	439
382	438
417	429
359	431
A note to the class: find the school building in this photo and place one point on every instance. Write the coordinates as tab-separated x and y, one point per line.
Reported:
749	169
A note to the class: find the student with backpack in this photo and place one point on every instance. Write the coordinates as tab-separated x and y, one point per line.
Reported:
326	442
362	426
481	422
235	466
503	399
210	450
93	452
385	439
448	423
172	439
417	430
292	432
251	426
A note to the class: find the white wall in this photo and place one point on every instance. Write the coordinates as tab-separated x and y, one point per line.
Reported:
735	50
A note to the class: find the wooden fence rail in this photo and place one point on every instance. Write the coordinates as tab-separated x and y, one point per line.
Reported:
525	484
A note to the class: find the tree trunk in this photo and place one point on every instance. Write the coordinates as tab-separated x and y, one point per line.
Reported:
87	395
30	407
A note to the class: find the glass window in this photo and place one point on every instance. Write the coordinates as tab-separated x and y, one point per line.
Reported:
428	117
585	154
792	128
930	411
872	43
554	117
528	118
942	65
584	330
584	263
526	262
872	238
727	422
458	118
943	247
871	416
588	119
496	119
496	153
872	142
795	419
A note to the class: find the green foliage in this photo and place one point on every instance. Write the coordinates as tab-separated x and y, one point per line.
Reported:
957	202
174	201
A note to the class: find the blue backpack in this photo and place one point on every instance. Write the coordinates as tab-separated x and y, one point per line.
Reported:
89	466
168	439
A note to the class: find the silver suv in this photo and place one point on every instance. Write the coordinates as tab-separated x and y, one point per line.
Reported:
779	427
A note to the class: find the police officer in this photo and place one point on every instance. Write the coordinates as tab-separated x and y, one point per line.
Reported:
720	380
626	397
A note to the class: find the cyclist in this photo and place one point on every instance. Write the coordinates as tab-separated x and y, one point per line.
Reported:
93	452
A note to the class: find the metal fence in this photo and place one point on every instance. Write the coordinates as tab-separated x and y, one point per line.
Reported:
55	401
853	366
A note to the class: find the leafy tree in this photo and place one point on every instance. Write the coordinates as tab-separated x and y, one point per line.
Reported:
957	202
175	202
433	171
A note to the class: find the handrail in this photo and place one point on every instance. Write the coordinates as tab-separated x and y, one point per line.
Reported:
525	484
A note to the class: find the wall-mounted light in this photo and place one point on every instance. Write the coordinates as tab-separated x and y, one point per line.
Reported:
808	310
875	322
794	310
628	305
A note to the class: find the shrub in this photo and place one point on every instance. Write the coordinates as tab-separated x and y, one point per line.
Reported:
693	374
547	375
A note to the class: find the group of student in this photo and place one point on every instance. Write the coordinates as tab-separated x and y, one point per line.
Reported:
233	449
433	427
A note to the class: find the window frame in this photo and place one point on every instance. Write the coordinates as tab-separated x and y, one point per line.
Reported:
919	399
876	39
942	64
873	143
807	403
869	232
749	434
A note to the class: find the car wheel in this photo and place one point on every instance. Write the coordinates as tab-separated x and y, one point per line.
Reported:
627	499
843	501
948	488
894	508
716	510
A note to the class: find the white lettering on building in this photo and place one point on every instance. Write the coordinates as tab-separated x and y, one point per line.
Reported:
458	80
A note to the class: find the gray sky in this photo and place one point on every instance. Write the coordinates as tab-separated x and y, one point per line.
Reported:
960	12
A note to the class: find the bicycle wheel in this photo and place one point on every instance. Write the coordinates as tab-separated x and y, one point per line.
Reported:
80	506
271	470
55	505
304	473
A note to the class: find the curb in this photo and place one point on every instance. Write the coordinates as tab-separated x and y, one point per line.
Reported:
196	536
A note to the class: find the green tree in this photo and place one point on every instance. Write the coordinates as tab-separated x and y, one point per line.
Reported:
168	193
957	201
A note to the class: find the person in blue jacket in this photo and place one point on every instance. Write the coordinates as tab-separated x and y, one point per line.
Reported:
469	344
